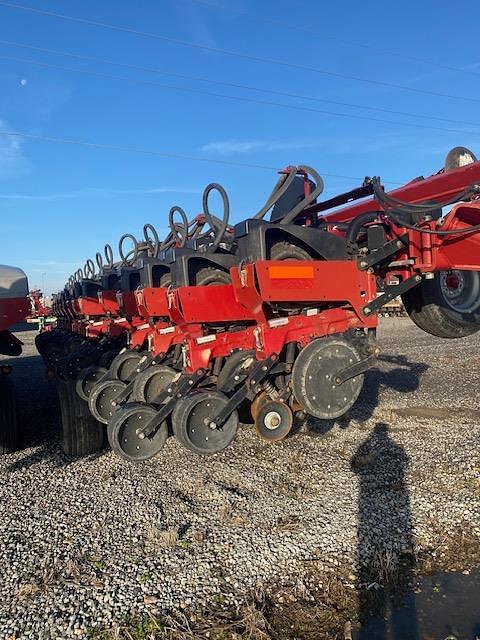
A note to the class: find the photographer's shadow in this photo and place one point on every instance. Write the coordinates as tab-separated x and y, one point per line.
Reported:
385	548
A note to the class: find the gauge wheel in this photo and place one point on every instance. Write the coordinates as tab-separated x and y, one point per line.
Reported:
102	399
313	377
123	437
192	417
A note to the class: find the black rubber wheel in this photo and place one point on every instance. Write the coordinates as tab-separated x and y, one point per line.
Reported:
448	305
313	377
124	365
122	434
107	358
209	276
81	434
190	420
9	435
288	251
87	379
150	383
101	400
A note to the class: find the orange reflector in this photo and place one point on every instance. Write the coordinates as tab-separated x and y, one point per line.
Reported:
300	272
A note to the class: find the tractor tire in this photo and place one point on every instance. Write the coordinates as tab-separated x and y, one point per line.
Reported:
209	276
9	435
288	251
446	312
81	434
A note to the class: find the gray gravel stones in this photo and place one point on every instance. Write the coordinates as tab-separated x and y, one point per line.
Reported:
87	543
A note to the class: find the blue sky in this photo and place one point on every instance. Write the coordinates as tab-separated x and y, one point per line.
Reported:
59	203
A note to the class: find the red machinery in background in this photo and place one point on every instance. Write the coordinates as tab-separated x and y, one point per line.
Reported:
14	307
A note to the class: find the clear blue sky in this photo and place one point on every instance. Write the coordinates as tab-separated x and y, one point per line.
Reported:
59	204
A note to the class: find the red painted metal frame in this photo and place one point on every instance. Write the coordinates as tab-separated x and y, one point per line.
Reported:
13	310
440	187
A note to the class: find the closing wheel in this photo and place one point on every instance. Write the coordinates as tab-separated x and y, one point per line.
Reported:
313	374
448	305
123	437
192	418
124	365
101	400
258	402
274	421
150	383
87	379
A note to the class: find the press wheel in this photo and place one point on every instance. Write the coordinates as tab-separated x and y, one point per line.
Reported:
124	365
258	402
87	379
101	400
149	384
191	420
313	374
123	437
274	421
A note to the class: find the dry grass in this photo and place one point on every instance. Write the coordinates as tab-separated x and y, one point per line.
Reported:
39	586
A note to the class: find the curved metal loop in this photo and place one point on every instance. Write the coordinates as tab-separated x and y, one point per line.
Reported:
108	251
99	261
131	257
78	275
180	238
218	226
89	269
153	244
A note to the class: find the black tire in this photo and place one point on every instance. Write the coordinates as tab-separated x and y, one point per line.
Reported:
288	251
428	307
9	435
151	382
210	276
124	365
80	434
183	431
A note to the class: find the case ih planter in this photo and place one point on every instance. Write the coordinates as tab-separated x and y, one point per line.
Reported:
267	318
14	307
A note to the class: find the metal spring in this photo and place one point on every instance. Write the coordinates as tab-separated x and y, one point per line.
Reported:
270	388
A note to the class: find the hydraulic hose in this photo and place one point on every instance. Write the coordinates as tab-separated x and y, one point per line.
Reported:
355	226
401	208
218	227
308	199
281	186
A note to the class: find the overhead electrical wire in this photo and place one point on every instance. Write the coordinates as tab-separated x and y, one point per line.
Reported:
235	54
157	152
324	35
235	85
268	103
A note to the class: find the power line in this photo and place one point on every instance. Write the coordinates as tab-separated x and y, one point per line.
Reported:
326	36
268	103
235	85
235	54
156	152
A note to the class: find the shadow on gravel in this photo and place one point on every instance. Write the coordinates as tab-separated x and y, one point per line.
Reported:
405	377
385	558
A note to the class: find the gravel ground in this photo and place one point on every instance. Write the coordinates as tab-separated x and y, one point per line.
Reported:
87	543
